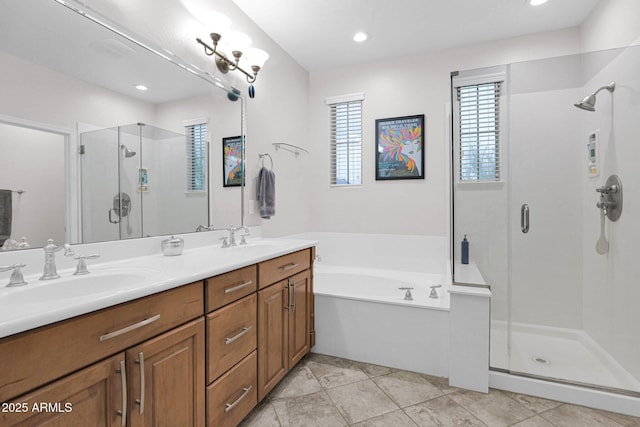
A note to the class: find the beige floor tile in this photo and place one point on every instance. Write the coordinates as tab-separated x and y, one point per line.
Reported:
625	420
333	372
535	404
392	419
441	411
536	421
263	415
299	382
407	388
361	401
494	408
572	415
442	383
375	370
312	410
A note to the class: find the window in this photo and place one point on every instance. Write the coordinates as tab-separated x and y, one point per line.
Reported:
478	133
346	139
196	131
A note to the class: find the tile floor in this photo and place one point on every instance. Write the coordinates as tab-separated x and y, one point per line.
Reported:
327	391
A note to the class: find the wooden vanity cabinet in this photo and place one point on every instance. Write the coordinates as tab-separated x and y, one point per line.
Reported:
90	397
155	376
284	317
231	329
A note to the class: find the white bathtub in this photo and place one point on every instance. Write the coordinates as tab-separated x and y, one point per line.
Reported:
362	315
381	286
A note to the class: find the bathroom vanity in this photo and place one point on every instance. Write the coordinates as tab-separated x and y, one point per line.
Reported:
202	352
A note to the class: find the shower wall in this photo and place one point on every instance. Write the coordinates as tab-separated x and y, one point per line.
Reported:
611	287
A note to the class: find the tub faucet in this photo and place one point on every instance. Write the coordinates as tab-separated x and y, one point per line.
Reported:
434	293
50	249
407	295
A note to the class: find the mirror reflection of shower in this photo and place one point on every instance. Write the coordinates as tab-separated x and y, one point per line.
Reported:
127	152
588	103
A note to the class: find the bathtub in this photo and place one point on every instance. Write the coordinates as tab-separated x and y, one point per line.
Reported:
381	286
360	314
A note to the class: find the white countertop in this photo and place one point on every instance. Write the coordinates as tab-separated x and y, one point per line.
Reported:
41	303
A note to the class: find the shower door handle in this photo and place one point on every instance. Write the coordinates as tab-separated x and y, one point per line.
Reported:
111	220
524	218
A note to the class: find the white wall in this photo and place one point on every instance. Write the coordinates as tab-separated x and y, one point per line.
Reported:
413	85
33	161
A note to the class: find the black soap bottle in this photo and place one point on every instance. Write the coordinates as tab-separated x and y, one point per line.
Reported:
464	250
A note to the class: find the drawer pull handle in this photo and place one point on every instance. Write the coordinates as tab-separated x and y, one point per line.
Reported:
232	339
129	328
123	383
141	400
240	286
230	406
289	266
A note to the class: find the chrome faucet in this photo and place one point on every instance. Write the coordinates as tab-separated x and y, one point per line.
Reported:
16	274
50	249
232	236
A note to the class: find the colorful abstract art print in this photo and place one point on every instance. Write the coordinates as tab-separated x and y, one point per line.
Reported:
232	161
400	148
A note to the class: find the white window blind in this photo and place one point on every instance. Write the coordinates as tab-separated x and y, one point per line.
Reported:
196	157
479	132
346	142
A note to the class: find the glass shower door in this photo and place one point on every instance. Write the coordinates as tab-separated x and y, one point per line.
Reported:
571	309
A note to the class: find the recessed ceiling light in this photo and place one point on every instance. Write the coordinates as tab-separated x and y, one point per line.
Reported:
536	2
141	87
360	37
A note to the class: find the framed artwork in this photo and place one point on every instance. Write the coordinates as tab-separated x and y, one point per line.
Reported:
400	148
232	161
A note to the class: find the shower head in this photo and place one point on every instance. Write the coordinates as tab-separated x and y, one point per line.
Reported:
127	153
588	103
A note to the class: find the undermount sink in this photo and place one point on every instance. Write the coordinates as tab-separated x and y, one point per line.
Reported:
69	287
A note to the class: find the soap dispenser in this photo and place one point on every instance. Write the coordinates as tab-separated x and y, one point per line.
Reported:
464	250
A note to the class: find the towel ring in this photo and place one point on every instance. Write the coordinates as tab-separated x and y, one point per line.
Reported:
263	155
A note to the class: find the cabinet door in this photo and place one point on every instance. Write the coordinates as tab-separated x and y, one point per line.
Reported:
167	378
90	397
299	317
273	308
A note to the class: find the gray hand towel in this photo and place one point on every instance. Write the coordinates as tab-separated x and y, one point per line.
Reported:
267	193
6	210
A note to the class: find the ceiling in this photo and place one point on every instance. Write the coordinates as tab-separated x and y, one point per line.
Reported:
318	33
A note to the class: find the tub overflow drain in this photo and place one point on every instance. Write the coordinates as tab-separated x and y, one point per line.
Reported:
540	360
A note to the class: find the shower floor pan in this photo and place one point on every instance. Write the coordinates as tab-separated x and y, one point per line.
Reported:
564	354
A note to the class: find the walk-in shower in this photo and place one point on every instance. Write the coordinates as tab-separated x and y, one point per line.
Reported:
134	184
565	290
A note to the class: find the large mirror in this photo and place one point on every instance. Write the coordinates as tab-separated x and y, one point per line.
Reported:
87	155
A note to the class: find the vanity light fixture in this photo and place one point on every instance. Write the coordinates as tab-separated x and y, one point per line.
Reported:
238	47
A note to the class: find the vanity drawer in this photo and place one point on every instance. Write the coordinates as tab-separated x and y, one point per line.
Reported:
228	287
231	335
274	270
233	395
36	357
